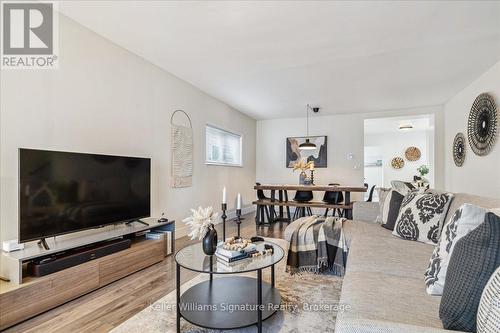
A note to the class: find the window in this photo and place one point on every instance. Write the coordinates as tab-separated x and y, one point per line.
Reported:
222	147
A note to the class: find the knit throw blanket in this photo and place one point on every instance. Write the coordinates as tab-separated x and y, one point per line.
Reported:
317	244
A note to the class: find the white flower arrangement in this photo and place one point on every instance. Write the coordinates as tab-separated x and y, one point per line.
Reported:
200	221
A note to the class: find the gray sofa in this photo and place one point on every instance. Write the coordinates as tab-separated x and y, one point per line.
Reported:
384	281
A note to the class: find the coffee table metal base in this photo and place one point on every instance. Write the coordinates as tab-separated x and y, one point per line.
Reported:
228	302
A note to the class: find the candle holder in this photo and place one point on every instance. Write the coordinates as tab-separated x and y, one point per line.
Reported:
224	217
312	177
238	220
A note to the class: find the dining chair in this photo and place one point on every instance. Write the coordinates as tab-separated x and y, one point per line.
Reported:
263	211
370	195
333	198
302	196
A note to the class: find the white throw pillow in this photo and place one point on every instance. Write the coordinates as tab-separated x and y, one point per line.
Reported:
385	208
465	219
402	187
421	216
382	198
488	314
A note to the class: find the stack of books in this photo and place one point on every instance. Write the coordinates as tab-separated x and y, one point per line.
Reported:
228	257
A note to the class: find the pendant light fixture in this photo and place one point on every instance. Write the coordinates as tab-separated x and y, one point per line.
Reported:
308	145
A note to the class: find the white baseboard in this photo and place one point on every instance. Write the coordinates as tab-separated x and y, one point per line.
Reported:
231	214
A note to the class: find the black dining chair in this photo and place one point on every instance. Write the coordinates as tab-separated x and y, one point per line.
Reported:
370	195
302	196
334	198
263	211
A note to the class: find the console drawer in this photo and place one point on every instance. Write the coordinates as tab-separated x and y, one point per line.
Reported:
139	256
46	293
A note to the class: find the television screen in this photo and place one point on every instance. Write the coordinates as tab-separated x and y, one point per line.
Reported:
62	192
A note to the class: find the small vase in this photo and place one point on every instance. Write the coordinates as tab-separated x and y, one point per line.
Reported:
209	242
302	178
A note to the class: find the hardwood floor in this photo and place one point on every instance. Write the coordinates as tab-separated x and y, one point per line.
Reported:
111	305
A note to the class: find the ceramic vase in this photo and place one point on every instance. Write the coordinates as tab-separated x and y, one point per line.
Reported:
302	178
209	242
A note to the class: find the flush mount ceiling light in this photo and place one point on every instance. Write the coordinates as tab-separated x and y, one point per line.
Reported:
308	145
405	127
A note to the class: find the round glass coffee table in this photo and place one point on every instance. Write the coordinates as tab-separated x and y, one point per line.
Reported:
230	301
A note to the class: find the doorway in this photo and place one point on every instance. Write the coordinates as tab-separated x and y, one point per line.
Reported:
396	147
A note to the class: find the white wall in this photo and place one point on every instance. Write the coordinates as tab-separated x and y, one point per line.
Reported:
374	174
479	175
345	135
104	99
395	144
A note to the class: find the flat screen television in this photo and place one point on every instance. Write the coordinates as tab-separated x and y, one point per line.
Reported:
63	192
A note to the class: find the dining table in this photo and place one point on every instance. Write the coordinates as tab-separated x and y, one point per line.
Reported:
284	203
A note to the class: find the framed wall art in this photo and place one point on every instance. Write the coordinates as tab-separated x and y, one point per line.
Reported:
318	155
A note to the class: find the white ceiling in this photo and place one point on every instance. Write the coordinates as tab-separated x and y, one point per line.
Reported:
391	125
270	58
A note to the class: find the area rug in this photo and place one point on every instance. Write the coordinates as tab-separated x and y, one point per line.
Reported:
310	303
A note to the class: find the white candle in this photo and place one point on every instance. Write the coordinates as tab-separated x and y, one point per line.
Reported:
224	197
238	201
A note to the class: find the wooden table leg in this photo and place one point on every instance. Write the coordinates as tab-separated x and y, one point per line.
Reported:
280	196
257	215
287	207
271	208
347	202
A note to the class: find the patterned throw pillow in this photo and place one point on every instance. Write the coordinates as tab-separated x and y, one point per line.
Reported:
474	260
488	314
465	219
421	216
